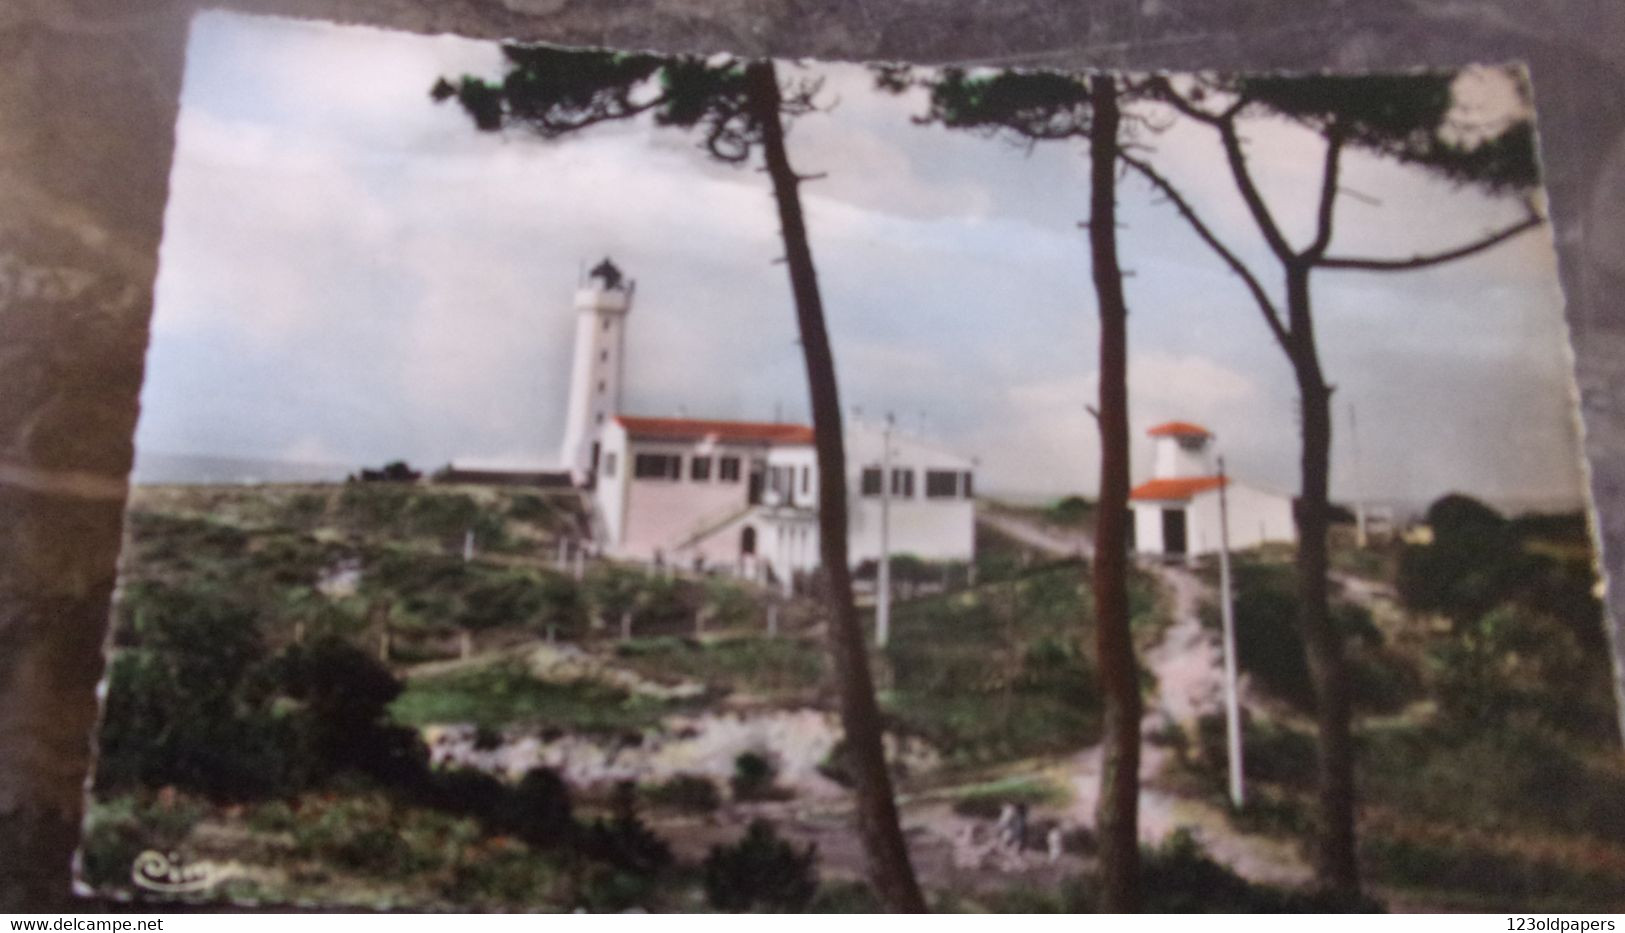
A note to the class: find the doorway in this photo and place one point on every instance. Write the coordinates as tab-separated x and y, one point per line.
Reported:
1173	532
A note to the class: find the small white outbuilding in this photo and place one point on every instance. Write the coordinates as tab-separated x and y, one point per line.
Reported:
1176	512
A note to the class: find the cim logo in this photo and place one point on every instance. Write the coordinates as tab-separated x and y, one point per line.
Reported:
168	873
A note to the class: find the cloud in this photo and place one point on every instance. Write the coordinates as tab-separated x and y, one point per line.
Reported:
1162	387
310	449
351	271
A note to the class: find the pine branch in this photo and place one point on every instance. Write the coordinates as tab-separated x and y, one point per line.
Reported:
1249	191
1272	316
1432	259
1328	196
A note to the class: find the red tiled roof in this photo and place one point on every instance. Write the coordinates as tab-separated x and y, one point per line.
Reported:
1179	429
761	432
1182	487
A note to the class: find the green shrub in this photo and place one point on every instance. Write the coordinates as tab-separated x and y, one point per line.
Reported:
753	777
623	841
532	509
541	812
372	835
844	897
511	876
303	511
372	506
761	871
1271	751
560	605
507	598
344	694
177	713
690	793
1070	511
447	517
1177	876
1518	775
1270	649
1485	879
730	603
120	828
601	887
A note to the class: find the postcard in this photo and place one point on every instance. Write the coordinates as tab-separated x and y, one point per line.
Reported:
585	479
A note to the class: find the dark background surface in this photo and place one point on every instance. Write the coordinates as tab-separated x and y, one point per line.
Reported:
88	97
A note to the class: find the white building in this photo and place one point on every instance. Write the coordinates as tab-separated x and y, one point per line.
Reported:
1176	512
598	366
741	495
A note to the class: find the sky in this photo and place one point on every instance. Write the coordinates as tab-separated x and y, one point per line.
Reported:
351	274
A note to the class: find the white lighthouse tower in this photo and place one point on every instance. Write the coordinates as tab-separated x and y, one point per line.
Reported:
602	303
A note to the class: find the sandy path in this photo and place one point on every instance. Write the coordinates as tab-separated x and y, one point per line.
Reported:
1188	665
1056	542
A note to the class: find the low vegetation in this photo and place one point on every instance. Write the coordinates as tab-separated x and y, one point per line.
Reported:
761	872
505	693
268	689
1488	759
1005	670
778	669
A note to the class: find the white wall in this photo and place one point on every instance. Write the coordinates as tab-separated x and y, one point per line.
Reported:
659	515
610	493
1147	527
798	464
787	540
930	528
1256	517
664	513
1170	458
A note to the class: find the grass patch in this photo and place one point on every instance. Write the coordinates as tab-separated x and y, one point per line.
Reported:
986	800
505	694
1461	873
1001	672
776	667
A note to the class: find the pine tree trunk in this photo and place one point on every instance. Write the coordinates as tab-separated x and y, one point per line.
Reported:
1117	810
890	871
1336	867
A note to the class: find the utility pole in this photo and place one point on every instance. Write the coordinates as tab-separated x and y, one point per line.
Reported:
883	573
1232	704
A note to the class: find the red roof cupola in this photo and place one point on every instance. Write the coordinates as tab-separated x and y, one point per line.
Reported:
1179	429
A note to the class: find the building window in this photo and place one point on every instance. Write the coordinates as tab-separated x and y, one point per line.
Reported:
806	480
780	479
602	385
609	465
606	323
657	466
968	488
902	483
598	418
941	484
603	355
869	482
728	469
699	469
